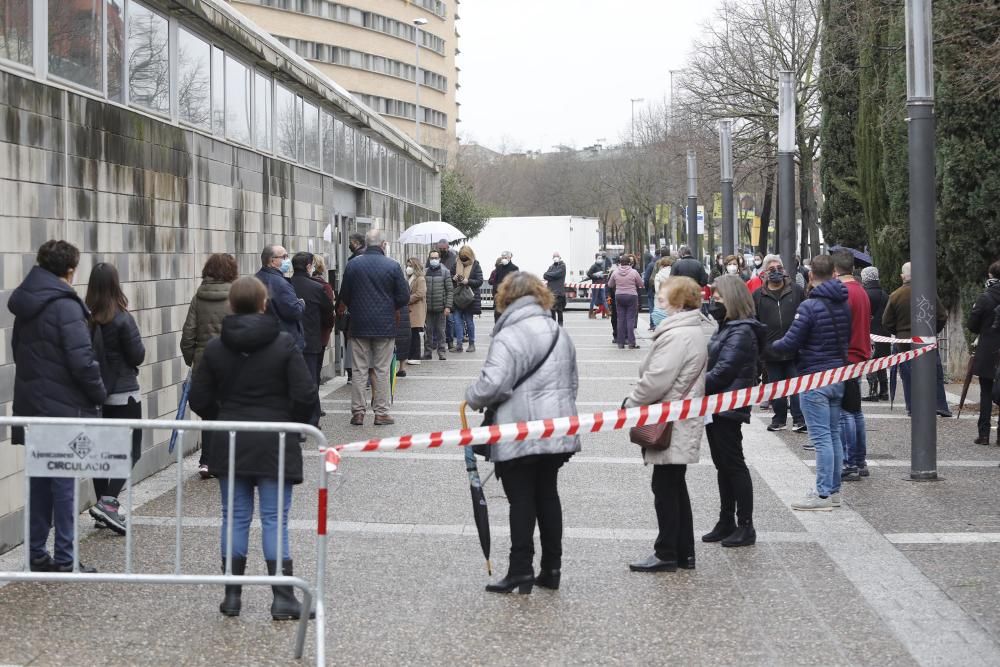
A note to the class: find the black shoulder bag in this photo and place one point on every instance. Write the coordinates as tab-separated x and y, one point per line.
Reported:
490	414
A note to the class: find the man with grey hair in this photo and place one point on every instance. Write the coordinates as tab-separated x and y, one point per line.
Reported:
282	301
503	269
776	303
373	288
896	320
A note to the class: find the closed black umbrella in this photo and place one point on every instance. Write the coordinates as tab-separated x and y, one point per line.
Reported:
480	511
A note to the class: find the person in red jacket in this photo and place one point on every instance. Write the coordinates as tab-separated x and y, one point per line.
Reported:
859	348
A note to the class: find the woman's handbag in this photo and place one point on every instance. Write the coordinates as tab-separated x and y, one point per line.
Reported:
463	297
656	437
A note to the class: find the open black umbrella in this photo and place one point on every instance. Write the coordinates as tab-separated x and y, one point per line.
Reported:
861	259
480	511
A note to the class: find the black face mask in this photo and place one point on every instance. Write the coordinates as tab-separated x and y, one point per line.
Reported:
718	311
775	276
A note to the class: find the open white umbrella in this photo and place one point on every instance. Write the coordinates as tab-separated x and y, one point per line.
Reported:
431	232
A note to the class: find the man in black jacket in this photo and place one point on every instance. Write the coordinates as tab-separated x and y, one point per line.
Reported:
598	275
318	314
56	375
689	266
506	268
776	303
878	383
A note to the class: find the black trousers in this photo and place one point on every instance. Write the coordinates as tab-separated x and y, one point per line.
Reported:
878	382
415	342
113	487
314	361
531	489
725	440
986	406
675	540
558	308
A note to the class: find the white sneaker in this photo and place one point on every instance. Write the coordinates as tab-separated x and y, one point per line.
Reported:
835	499
813	503
413	362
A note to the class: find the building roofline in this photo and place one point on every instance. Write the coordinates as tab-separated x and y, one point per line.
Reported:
244	32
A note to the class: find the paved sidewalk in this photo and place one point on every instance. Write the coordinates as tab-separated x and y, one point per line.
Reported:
903	574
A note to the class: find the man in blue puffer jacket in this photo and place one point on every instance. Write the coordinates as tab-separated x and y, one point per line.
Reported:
820	335
56	374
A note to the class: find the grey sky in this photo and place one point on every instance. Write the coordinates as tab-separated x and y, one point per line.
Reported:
537	73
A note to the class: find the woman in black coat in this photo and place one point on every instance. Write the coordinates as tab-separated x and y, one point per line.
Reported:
732	364
119	349
984	320
254	372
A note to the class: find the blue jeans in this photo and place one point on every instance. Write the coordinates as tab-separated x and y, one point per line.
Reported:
905	372
460	322
597	297
852	426
821	408
52	502
783	370
267	492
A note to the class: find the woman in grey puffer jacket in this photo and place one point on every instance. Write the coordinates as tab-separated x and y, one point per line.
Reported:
525	378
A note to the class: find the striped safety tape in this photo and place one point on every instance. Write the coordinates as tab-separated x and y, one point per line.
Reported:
920	340
586	285
614	420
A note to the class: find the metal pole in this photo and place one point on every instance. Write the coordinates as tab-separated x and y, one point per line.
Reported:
923	236
416	79
634	100
786	168
692	169
726	164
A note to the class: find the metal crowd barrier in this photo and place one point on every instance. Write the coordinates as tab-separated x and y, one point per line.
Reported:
94	447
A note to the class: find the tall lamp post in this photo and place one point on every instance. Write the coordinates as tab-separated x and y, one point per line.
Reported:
416	75
786	168
726	164
923	235
633	101
692	168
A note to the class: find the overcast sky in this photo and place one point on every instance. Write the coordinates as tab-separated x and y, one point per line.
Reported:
537	73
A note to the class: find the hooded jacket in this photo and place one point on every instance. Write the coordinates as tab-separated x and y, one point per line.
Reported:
776	312
625	280
820	333
204	319
123	353
732	360
253	372
56	371
440	289
674	368
521	337
984	320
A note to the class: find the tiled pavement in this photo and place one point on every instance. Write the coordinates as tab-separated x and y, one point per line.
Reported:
903	574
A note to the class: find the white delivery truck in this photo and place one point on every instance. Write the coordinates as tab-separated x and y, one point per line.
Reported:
534	239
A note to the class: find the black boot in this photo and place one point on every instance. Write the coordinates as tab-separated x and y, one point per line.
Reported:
743	536
548	579
284	607
522	582
723	529
231	603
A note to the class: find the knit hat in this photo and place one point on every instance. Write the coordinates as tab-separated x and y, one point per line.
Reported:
869	274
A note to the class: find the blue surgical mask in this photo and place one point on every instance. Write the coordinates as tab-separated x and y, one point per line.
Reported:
657	316
286	265
435	263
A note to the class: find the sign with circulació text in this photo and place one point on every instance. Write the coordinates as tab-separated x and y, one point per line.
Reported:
78	451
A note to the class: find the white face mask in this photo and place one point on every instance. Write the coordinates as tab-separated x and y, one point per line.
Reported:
409	270
732	268
557	259
505	261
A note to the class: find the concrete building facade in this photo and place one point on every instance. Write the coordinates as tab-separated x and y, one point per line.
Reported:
153	133
370	47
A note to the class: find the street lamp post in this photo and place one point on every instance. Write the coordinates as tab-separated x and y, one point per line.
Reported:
416	75
786	168
692	169
726	164
923	235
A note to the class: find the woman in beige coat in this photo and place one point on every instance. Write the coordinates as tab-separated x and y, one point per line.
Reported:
418	306
674	369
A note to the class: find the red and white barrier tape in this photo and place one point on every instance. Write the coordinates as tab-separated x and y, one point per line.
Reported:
614	420
920	340
586	285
